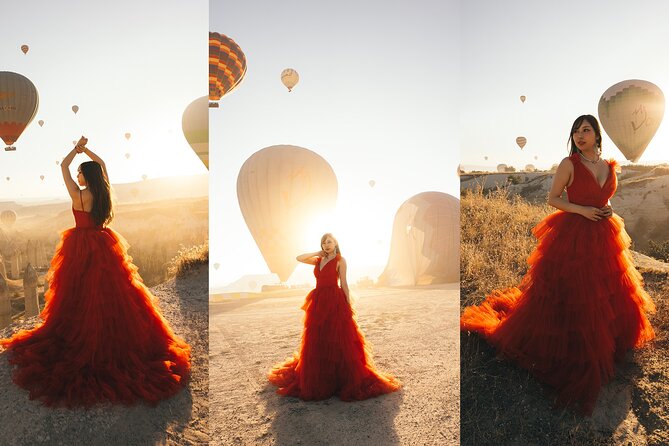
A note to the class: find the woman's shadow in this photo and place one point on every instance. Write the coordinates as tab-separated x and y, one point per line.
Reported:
332	421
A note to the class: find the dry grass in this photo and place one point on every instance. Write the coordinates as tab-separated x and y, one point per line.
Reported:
495	240
502	404
187	259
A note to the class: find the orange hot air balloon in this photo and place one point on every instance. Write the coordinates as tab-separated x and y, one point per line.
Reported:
521	141
522	99
631	112
281	190
227	66
8	217
195	125
25	49
425	243
75	109
127	136
18	105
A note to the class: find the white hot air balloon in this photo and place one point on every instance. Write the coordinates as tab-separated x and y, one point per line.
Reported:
195	126
290	78
425	243
501	168
631	112
282	190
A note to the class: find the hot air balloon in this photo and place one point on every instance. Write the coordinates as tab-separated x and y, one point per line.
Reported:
522	99
227	66
41	177
501	168
127	155
485	158
57	163
7	178
195	125
372	183
521	141
631	112
425	243
18	105
289	78
144	177
530	168
40	122
536	157
8	217
281	189
25	49
127	136
75	109
217	265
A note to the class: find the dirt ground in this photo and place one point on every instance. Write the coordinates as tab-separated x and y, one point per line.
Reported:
414	335
181	420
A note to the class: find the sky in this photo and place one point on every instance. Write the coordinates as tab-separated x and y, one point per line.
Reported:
377	99
562	56
131	67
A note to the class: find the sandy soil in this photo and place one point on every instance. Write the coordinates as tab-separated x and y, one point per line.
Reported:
180	420
414	334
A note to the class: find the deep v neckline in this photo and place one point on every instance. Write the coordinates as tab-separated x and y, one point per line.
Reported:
594	178
320	269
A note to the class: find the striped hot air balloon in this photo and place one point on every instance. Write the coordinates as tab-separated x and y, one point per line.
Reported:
227	66
630	112
521	141
18	105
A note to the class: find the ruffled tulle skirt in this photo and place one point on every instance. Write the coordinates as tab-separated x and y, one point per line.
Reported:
579	308
101	338
333	358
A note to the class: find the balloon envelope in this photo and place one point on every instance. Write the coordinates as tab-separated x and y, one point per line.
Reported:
501	168
521	141
631	112
18	105
372	183
227	65
289	78
522	99
195	125
530	168
425	246
8	217
281	189
25	49
40	122
75	109
127	136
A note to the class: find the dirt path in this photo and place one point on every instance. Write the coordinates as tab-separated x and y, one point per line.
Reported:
414	335
180	420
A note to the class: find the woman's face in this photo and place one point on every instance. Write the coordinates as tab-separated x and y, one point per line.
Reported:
585	137
328	245
80	178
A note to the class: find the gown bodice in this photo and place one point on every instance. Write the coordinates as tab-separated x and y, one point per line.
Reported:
585	190
328	275
83	219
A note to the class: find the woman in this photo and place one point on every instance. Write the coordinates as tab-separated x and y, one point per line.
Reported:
101	337
581	304
333	357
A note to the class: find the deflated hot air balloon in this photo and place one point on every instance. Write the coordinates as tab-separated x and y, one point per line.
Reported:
8	217
289	78
521	141
281	190
425	246
227	66
75	109
18	105
25	49
631	112
195	125
522	99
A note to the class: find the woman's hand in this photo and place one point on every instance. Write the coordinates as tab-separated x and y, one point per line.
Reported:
81	144
592	213
607	210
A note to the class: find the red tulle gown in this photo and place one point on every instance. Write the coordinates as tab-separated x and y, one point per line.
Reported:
581	304
333	357
101	337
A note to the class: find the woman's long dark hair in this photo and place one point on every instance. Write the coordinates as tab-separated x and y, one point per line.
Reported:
325	236
595	125
102	212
